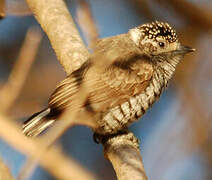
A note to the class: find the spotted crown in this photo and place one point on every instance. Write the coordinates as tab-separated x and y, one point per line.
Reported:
156	29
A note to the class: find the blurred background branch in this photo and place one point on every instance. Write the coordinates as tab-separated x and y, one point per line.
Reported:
10	91
2	9
87	23
53	159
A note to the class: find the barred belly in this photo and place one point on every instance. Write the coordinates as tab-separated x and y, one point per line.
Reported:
119	117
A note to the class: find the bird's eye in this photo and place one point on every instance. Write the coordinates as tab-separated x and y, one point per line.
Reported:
161	44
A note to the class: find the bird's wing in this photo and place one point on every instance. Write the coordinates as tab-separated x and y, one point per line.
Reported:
104	86
120	81
66	89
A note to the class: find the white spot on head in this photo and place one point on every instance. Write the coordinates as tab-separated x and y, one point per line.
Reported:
135	35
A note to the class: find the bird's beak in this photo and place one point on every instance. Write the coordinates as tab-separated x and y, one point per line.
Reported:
184	49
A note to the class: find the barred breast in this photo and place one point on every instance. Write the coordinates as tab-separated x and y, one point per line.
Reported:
124	114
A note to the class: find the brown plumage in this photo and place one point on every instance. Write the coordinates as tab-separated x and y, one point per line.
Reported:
121	79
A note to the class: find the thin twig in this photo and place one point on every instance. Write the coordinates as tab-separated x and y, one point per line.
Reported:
12	88
87	23
52	160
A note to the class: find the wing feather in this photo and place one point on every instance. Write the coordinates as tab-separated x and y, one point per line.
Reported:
111	76
103	90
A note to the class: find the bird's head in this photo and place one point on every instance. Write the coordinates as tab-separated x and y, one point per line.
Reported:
158	38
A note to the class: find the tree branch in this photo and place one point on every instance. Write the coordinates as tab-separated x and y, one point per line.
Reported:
59	26
123	152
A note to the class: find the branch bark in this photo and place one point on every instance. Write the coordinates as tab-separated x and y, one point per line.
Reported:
59	26
121	150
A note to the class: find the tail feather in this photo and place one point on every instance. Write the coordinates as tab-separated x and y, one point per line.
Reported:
37	123
39	128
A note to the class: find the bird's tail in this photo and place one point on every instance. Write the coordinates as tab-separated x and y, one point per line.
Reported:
37	123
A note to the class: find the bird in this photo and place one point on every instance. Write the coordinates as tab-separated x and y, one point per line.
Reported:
120	80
